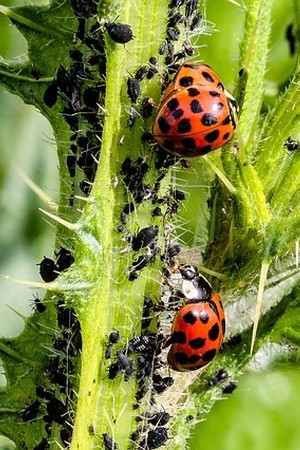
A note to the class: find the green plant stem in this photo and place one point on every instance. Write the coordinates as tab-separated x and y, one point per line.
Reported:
115	302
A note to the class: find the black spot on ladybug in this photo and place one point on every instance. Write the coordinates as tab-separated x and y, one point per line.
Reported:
194	359
209	355
203	316
178	113
193	92
214	93
181	358
163	125
226	136
212	136
197	343
178	337
220	106
208	119
226	121
214	332
191	66
207	77
184	126
205	149
195	107
169	145
188	143
190	318
173	104
119	32
186	81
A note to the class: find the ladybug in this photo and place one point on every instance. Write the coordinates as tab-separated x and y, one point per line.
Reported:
197	333
196	114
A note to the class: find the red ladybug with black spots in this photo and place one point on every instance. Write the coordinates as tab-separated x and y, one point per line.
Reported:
197	332
196	114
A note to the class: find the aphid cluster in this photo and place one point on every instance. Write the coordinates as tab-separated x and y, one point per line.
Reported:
184	16
145	240
139	358
50	269
82	89
53	402
218	378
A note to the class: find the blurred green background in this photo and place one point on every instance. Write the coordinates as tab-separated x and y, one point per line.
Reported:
263	413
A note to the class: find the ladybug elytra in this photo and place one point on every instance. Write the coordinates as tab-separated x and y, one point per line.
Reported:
198	328
196	114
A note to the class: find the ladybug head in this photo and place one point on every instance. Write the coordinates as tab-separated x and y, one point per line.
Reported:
194	286
233	108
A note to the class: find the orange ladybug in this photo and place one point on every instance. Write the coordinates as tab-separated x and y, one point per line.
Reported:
196	114
197	334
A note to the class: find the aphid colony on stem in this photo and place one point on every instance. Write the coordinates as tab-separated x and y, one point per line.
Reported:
196	115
